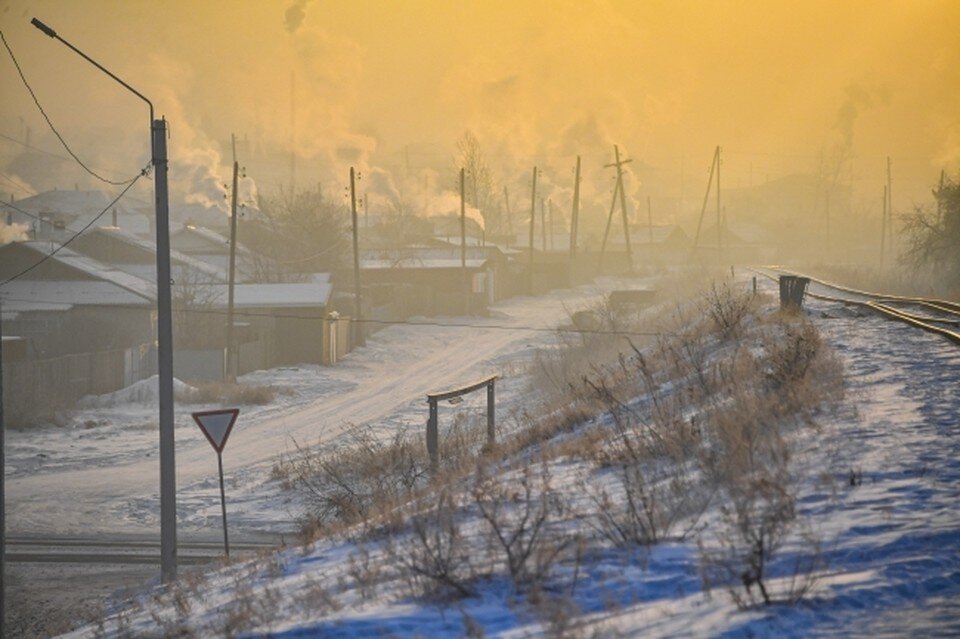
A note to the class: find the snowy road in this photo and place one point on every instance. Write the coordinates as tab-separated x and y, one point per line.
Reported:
384	381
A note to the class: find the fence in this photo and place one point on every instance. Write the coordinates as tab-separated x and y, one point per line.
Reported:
34	387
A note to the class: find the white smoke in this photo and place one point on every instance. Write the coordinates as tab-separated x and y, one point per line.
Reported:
13	233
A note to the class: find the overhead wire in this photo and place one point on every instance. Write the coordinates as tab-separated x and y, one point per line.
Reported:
66	146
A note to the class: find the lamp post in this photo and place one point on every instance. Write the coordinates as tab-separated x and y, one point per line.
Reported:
168	479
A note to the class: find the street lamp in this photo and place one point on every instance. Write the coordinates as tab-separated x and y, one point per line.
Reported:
168	479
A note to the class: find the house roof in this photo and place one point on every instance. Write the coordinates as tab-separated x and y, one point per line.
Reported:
176	257
20	296
420	263
272	295
92	268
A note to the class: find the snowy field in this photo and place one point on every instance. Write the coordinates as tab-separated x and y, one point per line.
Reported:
881	497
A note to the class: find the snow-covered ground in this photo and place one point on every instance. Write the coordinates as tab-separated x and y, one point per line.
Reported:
882	500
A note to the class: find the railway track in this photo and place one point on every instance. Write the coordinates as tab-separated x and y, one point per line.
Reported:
119	551
932	315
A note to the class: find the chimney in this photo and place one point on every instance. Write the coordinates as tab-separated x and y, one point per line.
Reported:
115	217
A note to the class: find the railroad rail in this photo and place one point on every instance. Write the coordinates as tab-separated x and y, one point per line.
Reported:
96	550
932	315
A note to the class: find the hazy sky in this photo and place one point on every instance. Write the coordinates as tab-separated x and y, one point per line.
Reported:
378	83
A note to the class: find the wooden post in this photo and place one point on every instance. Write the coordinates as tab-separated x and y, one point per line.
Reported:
356	325
230	366
575	215
506	199
706	198
883	227
491	410
650	221
623	204
433	448
606	231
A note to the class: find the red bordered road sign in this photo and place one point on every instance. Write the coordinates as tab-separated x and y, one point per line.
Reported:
216	425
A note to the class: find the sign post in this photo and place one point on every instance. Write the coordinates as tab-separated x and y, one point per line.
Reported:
216	426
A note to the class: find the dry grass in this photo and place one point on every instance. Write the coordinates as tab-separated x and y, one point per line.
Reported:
230	394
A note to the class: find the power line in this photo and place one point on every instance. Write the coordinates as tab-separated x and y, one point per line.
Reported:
77	233
54	129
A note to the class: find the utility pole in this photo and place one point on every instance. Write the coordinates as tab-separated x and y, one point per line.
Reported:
618	163
883	228
606	231
359	337
706	197
533	218
230	370
168	476
168	466
463	244
293	134
575	214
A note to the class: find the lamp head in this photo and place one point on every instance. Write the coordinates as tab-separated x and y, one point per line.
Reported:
50	32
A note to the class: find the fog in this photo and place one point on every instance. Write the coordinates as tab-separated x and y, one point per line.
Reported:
818	88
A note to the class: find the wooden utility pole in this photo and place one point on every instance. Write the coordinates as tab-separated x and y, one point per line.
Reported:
463	245
883	228
706	197
230	365
623	200
550	217
575	214
606	230
359	337
533	219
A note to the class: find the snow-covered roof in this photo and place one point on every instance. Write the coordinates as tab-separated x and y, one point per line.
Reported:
272	295
420	263
148	246
59	295
93	268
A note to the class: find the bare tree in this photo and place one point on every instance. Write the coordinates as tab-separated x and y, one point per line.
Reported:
300	232
480	192
933	236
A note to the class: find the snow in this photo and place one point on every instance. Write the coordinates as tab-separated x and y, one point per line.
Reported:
889	538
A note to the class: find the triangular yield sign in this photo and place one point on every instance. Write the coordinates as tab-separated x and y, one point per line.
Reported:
216	425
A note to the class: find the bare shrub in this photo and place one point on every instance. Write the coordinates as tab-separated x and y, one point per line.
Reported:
757	517
517	516
727	308
348	483
209	392
436	555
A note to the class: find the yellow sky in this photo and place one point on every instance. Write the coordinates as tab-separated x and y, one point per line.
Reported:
774	83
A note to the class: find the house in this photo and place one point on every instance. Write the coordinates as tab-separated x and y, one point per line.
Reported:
85	327
50	215
137	256
213	248
429	280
